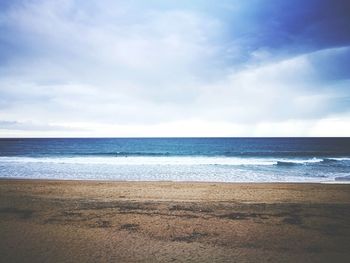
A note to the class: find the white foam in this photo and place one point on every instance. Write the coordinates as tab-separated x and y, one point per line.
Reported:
158	160
340	159
301	161
170	168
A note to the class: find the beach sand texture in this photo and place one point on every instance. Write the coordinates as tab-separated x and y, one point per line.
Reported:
90	221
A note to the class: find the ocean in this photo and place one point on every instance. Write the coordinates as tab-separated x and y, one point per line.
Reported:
178	159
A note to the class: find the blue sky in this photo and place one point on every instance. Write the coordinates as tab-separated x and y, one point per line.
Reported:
174	68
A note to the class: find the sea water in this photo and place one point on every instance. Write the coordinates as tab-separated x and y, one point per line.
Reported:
178	159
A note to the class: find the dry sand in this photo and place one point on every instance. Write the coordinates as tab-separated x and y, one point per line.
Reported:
85	221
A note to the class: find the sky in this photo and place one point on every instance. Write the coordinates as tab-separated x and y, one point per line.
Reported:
112	68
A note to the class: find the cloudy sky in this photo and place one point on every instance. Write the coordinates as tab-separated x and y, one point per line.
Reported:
174	68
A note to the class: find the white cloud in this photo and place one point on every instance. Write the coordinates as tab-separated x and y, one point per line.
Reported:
118	69
277	91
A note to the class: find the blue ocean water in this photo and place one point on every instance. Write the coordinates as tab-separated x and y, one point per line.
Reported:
178	159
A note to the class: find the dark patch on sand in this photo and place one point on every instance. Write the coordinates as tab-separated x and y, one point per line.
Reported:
190	208
239	216
103	224
130	227
120	205
293	220
70	213
332	229
190	238
313	249
21	213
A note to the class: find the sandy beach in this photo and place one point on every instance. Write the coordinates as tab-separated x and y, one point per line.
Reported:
90	221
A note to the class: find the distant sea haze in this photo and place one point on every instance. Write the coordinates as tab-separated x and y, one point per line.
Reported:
178	159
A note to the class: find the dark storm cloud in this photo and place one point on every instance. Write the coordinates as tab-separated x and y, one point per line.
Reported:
299	24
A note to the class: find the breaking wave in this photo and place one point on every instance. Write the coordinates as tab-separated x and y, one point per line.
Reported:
172	160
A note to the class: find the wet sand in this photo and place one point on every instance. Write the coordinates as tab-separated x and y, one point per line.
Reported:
88	221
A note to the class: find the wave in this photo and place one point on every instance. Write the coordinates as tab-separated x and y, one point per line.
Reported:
299	162
142	160
337	159
227	169
123	154
329	161
281	163
172	160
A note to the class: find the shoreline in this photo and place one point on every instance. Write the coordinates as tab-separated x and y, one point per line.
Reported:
169	181
103	221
